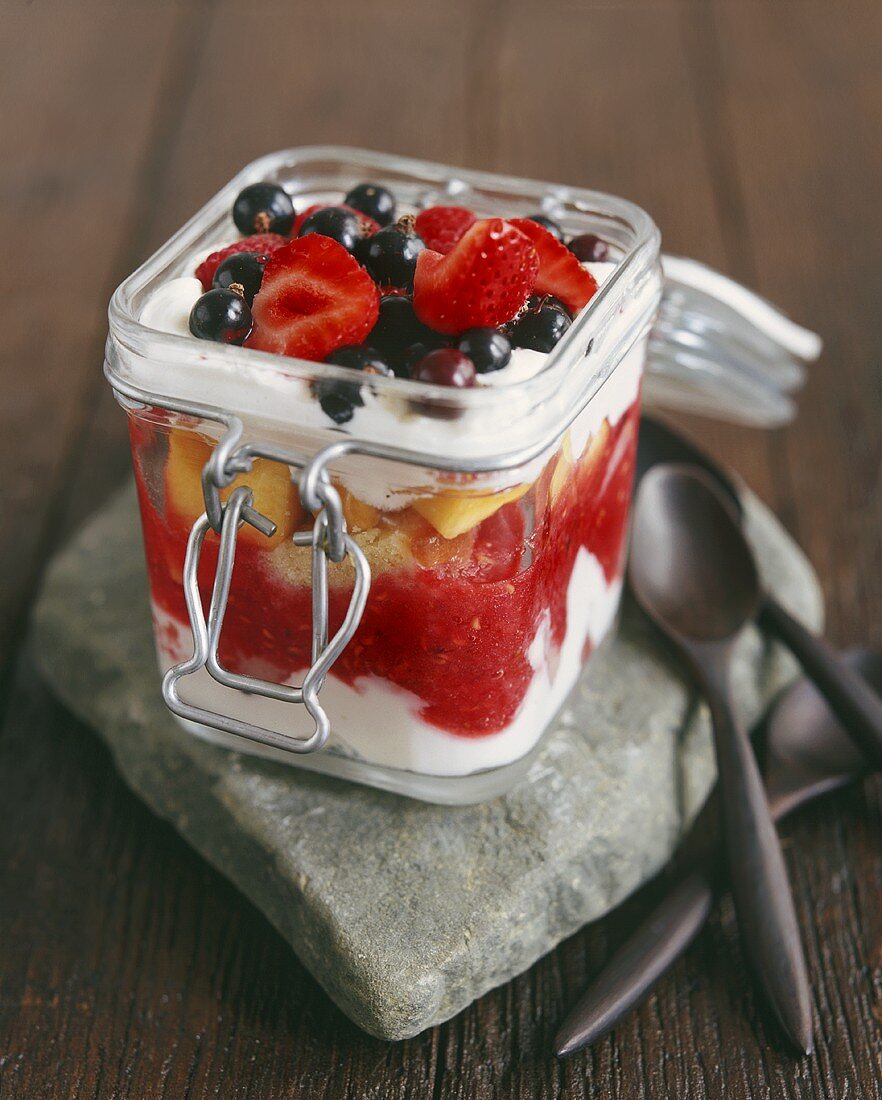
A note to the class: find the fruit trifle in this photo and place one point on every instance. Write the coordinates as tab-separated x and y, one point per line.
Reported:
439	319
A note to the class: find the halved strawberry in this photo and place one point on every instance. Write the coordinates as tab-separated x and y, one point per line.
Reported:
314	298
484	280
560	273
265	243
441	227
370	225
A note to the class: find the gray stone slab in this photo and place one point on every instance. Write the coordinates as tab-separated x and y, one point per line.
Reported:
403	911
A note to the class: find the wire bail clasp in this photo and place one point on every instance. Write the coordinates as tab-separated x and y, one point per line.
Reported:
328	539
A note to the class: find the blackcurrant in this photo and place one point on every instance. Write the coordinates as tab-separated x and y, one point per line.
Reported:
536	301
359	357
222	316
263	208
407	359
360	250
391	255
338	405
539	329
547	223
339	400
375	201
397	329
446	367
488	348
443	367
588	248
245	269
340	225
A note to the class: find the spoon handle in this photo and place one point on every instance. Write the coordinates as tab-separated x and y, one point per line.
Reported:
658	941
763	902
854	702
638	964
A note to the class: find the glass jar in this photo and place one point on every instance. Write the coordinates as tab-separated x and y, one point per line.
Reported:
463	550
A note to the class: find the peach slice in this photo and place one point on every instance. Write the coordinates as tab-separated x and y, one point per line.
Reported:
275	495
359	516
426	546
562	470
594	452
452	514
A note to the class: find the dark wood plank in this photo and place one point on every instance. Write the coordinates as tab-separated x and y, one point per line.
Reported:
131	968
144	1027
88	102
344	73
811	174
810	171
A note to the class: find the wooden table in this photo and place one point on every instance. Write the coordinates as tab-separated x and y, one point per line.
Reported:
751	131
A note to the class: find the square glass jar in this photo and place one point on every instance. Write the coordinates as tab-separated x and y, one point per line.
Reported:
485	528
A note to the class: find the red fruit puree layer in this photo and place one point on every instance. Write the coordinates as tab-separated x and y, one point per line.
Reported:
456	635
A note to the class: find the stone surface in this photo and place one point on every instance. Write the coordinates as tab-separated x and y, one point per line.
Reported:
406	912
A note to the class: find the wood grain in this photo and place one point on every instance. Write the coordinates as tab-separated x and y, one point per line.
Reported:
129	967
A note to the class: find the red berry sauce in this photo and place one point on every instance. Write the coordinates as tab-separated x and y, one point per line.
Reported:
456	635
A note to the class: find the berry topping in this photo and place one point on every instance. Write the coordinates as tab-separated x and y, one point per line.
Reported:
222	316
373	200
340	399
244	269
264	243
398	329
560	273
547	223
315	298
442	226
368	225
446	367
391	255
483	281
339	403
263	208
589	249
488	348
537	300
539	328
407	359
342	226
300	218
359	357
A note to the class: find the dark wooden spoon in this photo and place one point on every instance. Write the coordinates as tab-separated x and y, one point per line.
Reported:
859	708
807	754
693	573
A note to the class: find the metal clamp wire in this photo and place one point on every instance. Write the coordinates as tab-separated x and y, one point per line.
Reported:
207	633
224	463
314	485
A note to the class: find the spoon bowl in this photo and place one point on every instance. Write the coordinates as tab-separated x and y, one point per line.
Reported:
658	443
808	752
858	706
690	567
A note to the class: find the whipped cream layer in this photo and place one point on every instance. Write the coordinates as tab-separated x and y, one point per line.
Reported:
379	723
